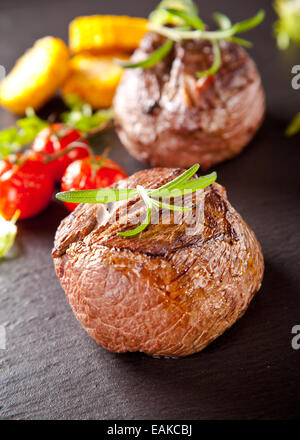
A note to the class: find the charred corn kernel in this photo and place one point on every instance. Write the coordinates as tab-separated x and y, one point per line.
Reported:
36	75
94	79
105	33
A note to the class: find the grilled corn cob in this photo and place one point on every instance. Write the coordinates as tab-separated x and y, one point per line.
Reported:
99	34
36	75
94	79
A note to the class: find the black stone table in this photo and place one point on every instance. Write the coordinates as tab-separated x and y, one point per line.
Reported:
51	369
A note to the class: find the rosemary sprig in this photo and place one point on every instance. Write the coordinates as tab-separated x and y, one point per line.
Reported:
185	23
227	31
176	188
221	34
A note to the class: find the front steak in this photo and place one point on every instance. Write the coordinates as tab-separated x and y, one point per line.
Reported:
166	116
164	292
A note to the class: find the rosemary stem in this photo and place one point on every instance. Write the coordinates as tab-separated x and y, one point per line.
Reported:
179	35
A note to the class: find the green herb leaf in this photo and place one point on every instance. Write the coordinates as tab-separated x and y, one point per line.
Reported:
103	195
190	19
161	15
294	126
251	23
139	228
189	187
81	115
171	207
222	20
14	138
152	60
216	63
175	183
201	182
241	42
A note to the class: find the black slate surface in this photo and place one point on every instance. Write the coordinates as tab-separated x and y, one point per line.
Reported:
51	369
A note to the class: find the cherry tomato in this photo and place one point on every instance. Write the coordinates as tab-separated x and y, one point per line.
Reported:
90	174
54	139
25	185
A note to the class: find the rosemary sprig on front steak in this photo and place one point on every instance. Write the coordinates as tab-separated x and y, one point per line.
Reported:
176	188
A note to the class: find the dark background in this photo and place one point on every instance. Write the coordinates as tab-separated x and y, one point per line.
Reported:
51	369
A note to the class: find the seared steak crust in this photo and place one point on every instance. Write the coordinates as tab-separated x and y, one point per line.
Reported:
165	116
164	292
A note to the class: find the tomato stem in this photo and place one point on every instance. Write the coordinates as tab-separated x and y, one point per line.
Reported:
97	164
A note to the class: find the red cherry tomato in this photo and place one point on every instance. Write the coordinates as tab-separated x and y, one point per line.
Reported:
25	185
54	139
90	174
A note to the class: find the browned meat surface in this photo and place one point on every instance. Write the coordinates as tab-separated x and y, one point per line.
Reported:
165	116
169	291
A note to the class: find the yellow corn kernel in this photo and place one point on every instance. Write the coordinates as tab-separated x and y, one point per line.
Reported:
99	34
36	75
94	79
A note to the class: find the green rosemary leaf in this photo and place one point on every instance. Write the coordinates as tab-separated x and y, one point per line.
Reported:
241	42
171	207
103	195
189	6
176	182
151	61
216	63
222	20
246	25
190	19
201	182
139	228
294	126
189	187
161	15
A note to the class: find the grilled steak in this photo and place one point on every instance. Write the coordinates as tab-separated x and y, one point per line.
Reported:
166	116
168	291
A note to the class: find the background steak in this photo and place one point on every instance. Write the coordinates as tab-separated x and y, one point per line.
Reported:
166	116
